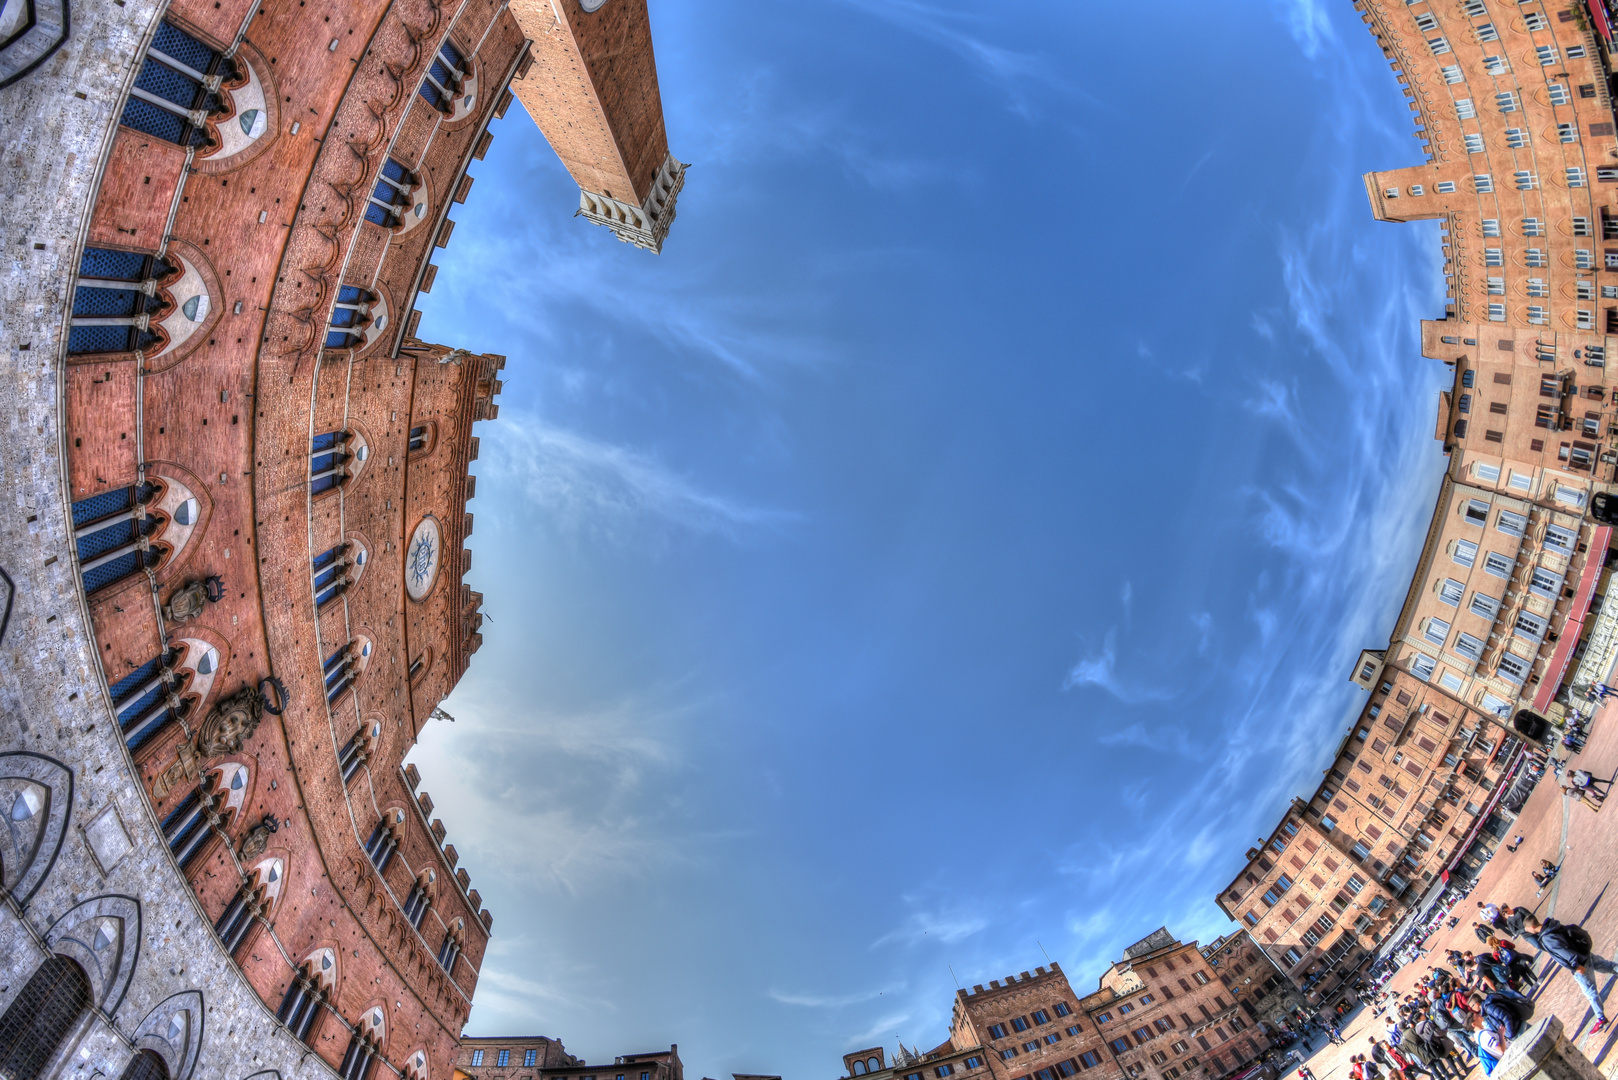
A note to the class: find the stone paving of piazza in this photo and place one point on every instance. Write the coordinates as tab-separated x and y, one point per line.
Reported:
1553	827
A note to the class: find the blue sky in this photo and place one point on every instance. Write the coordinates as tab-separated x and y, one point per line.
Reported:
955	544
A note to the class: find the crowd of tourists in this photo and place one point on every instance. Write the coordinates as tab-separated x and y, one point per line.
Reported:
1469	1008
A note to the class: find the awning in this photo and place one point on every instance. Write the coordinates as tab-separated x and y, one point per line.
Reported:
1595	559
1598	16
1488	808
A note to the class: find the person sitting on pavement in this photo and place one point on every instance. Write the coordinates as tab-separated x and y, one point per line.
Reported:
1491	1047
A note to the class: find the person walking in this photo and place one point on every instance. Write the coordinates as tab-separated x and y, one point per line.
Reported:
1586	782
1570	946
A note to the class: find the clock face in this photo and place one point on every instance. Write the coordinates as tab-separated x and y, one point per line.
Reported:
422	556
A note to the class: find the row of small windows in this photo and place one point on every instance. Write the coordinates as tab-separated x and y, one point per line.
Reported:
351	317
1486	34
178	88
1517	138
445	77
114	531
1522	179
1038	1018
115	301
530	1058
152	695
329	458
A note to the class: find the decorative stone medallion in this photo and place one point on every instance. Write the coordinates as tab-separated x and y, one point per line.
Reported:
187	603
422	558
231	723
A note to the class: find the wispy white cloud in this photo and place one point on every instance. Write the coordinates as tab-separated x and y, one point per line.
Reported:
585	788
1011	71
1100	669
883	1028
1274	400
834	1001
1311	27
937	927
612	493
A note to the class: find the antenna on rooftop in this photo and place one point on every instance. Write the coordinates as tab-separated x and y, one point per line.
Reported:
1042	951
954	976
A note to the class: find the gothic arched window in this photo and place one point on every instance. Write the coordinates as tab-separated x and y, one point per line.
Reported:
350	315
41	1017
445	75
115	300
329	457
416	904
146	1065
308	995
450	950
148	698
113	533
330	569
206	811
392	197
177	88
364	1047
343	667
383	843
357	751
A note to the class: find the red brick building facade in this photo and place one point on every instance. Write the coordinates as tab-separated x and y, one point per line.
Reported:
1512	103
1160	1012
1262	990
535	1057
266	475
1164	1014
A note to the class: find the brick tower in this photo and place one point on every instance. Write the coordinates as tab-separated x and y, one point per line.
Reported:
592	90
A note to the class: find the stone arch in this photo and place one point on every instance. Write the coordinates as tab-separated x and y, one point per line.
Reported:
464	105
43	1016
36	796
252	120
202	659
102	935
195	305
173	1031
184	507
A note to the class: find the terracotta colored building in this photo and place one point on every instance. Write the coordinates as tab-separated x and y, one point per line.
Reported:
1163	1014
1262	990
1512	103
1398	808
521	1057
1160	1012
535	1057
241	589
